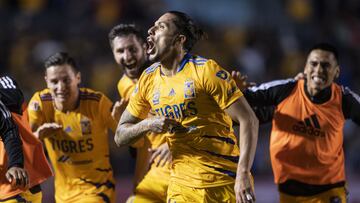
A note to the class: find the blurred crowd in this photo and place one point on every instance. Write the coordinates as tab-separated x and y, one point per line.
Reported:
264	39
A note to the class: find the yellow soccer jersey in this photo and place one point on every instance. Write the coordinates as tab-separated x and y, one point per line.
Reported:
125	87
206	155
80	152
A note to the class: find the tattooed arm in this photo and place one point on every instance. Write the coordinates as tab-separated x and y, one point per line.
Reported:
131	128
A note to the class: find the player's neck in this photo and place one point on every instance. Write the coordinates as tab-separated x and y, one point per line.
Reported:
70	105
170	65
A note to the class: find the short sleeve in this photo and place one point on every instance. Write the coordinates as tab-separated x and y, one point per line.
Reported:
35	111
219	84
105	106
138	105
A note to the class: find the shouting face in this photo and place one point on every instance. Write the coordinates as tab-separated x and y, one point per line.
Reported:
130	54
321	70
162	38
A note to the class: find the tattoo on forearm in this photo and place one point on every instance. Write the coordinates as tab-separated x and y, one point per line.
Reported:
130	129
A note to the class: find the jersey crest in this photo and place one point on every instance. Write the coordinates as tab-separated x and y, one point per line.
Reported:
189	89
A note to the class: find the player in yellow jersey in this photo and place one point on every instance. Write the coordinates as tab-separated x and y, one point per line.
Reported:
195	101
129	48
73	122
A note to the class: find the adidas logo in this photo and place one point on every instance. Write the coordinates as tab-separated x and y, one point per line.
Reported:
172	92
310	126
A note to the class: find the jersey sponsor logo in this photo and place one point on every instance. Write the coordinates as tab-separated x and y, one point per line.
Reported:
222	74
189	89
156	97
178	111
85	125
310	126
72	146
172	92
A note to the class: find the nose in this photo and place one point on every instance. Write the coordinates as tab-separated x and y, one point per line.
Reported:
127	55
151	30
61	86
319	68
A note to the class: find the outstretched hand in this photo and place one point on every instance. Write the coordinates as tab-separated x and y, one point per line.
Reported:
118	108
47	129
241	80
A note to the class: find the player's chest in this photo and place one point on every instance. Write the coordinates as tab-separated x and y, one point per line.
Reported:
75	124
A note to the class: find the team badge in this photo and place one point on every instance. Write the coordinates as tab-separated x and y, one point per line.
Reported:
85	125
189	89
156	97
35	106
222	74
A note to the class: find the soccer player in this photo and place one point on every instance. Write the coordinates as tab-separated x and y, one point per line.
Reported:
128	45
195	101
307	129
23	165
73	122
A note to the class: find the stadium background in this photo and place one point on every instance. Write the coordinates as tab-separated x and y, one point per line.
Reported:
264	39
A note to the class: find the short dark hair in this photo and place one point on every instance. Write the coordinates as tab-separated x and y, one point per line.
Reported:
189	28
125	30
326	47
61	58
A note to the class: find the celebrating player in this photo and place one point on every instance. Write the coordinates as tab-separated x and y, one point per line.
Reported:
73	122
195	101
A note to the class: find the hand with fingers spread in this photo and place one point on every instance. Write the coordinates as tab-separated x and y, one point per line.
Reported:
47	129
162	124
160	155
243	188
118	108
18	177
241	80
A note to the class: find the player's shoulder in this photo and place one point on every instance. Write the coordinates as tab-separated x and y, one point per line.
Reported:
197	60
7	82
151	69
87	94
290	82
349	93
43	95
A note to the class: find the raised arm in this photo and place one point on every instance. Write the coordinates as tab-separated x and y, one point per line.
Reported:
240	111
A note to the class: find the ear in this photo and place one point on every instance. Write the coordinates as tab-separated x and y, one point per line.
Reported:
144	46
337	73
78	77
182	39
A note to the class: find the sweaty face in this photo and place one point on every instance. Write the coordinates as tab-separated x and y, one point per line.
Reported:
130	54
63	84
162	37
321	70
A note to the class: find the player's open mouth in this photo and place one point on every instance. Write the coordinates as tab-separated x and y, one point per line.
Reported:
318	79
150	46
130	65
